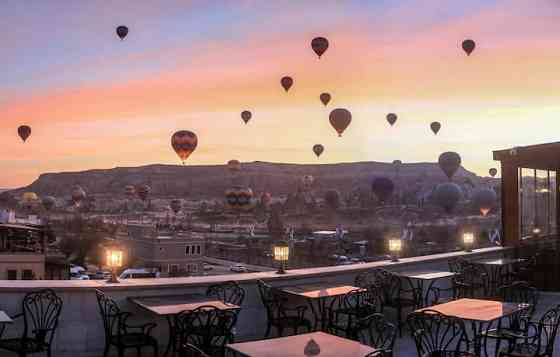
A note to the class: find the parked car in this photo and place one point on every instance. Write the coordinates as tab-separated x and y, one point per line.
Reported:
138	274
239	268
207	266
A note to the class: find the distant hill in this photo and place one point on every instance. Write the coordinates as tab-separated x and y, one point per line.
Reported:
210	181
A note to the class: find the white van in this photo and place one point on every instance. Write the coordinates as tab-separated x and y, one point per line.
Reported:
138	273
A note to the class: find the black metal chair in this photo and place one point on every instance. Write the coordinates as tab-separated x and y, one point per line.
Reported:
344	311
395	296
471	279
188	350
229	292
206	327
121	334
40	312
539	339
278	314
374	330
438	335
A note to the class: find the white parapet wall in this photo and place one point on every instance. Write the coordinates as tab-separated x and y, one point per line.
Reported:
80	331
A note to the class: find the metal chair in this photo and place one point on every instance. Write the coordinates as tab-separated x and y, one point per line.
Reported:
437	335
40	312
206	327
188	350
374	330
395	296
229	292
539	339
278	314
471	279
344	311
120	333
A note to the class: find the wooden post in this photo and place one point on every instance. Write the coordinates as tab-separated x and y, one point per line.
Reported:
510	205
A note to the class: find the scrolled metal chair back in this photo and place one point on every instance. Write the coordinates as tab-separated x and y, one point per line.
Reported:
374	330
110	314
435	333
228	292
271	299
206	327
189	350
41	312
366	279
547	330
520	292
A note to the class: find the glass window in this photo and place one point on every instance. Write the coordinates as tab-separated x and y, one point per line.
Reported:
188	250
537	202
12	274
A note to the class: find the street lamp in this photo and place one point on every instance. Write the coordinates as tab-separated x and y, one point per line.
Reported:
114	261
395	246
281	255
468	241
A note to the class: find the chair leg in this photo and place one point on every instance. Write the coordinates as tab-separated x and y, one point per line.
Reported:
156	349
139	351
399	320
121	352
106	352
267	333
280	331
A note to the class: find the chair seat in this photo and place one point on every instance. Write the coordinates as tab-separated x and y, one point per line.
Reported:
16	345
134	339
521	350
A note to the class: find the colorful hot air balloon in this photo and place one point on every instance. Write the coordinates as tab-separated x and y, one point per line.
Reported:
484	200
449	162
239	198
130	191
383	188
143	191
340	118
246	116
447	195
318	149
184	142
29	200
24	131
493	172
468	46
435	126
122	31
234	166
391	118
325	98
286	83
48	202
176	205
319	45
78	194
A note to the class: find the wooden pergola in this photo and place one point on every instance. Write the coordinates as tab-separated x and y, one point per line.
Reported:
534	157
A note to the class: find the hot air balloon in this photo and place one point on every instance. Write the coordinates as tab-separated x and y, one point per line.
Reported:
239	198
48	202
130	191
449	162
29	200
447	195
176	205
143	191
468	46
332	199
184	142
246	116
340	118
391	118
325	98
307	181
383	188
318	149
435	126
266	198
319	45
286	83
78	194
397	163
493	172
234	166
484	199
122	31
24	131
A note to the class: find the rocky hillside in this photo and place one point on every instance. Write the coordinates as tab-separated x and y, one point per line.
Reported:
211	181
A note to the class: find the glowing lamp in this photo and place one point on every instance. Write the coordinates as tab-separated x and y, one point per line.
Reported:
536	232
281	255
114	261
395	246
468	241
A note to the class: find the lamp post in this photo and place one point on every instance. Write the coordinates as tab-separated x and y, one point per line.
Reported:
114	261
536	232
468	241
395	246
281	255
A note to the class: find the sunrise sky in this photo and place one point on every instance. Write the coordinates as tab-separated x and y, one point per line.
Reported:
96	102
